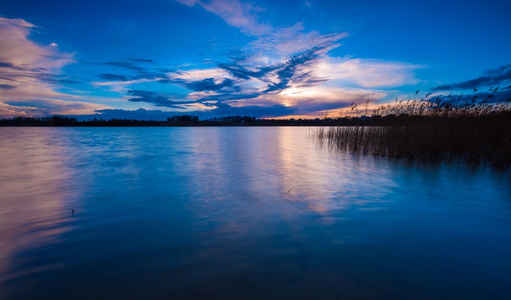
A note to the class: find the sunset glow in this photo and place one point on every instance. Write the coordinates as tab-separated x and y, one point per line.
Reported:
233	57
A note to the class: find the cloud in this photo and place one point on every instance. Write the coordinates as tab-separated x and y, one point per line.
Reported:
129	71
496	95
201	80
224	109
122	86
6	87
137	68
128	64
155	99
288	66
209	84
273	43
113	77
221	110
141	60
498	76
311	102
24	55
307	81
236	81
11	111
235	13
285	42
314	100
139	114
29	73
284	69
365	73
38	108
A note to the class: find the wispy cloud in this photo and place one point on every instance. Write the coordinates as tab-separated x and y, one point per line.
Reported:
126	72
272	44
29	72
307	82
314	100
365	73
288	66
498	76
21	60
284	69
122	86
233	81
156	99
113	77
235	13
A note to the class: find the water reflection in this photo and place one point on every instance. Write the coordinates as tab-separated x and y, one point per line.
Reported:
37	192
309	176
232	213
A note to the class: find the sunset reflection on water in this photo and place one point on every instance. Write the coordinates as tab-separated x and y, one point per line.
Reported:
238	212
37	193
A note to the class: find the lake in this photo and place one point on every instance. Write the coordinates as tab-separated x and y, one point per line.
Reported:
242	213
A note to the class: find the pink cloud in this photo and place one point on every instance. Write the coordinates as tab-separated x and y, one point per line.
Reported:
314	100
364	72
18	50
217	74
11	111
26	66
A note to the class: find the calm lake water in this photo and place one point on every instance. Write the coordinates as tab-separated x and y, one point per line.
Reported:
241	213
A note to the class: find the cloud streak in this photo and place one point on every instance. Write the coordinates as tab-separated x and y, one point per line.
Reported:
303	82
286	69
155	99
284	62
235	13
498	76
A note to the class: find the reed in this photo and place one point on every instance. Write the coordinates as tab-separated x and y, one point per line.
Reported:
478	132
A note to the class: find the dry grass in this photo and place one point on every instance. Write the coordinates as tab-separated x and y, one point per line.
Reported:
475	133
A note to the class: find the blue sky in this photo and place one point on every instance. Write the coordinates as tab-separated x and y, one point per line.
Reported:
150	59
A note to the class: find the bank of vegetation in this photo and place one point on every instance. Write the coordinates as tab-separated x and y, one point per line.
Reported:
474	132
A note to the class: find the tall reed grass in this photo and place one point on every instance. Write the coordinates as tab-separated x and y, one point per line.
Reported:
437	130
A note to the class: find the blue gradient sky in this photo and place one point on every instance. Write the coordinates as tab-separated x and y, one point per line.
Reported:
228	57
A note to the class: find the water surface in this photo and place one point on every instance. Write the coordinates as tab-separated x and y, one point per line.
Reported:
241	213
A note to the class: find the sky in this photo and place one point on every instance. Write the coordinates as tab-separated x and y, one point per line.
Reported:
211	58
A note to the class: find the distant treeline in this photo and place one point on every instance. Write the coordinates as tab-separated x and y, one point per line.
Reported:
403	113
189	120
183	120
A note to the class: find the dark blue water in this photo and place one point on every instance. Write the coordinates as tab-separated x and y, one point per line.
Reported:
241	213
